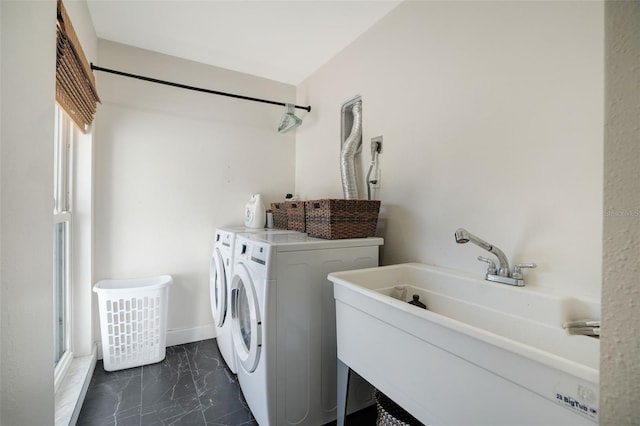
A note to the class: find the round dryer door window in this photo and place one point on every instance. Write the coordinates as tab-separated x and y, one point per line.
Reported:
245	321
218	288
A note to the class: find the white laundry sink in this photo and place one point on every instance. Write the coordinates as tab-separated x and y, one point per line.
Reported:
483	353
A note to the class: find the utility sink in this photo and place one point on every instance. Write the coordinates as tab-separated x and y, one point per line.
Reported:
482	352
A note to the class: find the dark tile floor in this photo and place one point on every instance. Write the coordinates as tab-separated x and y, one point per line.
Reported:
191	387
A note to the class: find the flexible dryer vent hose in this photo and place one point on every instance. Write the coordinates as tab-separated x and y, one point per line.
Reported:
347	156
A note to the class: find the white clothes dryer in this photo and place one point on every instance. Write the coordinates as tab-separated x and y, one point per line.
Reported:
219	286
283	325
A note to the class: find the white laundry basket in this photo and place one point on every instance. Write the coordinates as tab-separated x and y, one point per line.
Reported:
133	321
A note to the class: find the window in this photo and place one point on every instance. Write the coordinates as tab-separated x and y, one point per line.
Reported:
62	219
76	100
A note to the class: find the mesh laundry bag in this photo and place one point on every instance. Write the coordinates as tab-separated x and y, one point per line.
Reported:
391	414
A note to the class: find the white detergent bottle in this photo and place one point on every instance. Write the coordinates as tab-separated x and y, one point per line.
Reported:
254	212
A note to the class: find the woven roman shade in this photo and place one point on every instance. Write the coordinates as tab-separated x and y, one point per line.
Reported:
75	85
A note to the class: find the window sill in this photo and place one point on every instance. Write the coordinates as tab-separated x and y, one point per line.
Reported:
70	396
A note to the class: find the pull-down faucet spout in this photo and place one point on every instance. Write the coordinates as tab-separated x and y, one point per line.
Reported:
463	236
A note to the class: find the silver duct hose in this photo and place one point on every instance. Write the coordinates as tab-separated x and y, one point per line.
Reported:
347	156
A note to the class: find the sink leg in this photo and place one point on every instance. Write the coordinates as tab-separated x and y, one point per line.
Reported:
344	372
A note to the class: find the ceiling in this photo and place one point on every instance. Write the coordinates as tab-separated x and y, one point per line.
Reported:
280	40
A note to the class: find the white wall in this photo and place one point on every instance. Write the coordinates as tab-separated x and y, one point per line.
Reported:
492	120
27	112
620	370
28	36
172	165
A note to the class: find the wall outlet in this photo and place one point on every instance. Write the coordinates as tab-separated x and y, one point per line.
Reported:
376	145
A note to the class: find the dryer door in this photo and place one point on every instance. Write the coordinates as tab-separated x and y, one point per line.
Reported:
218	288
246	323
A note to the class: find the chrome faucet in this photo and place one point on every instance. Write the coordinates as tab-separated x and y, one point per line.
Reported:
501	274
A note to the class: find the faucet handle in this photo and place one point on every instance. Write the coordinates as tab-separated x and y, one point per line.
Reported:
492	266
517	269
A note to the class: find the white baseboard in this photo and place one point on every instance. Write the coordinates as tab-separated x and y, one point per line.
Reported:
188	335
182	336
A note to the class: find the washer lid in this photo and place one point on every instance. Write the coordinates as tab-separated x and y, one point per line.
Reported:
299	242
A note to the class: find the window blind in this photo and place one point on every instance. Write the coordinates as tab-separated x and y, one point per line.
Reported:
75	84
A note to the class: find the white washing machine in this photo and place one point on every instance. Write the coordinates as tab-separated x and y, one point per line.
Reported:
220	282
283	325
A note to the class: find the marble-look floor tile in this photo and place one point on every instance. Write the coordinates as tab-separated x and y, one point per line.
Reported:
237	418
100	375
111	400
220	402
133	420
208	368
192	386
217	386
181	411
167	380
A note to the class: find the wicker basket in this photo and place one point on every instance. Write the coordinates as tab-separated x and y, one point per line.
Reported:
280	220
391	414
338	219
289	215
295	215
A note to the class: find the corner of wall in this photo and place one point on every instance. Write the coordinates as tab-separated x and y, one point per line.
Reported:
28	36
620	345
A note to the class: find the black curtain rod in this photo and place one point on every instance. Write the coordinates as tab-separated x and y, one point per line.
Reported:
197	89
